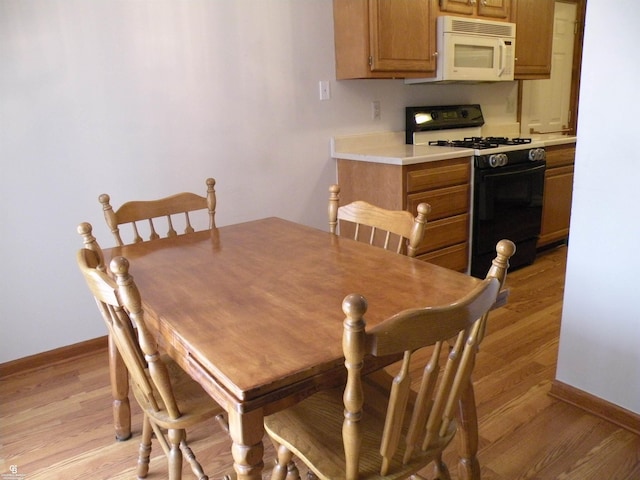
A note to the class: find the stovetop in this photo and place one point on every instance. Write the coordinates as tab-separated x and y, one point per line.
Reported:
480	143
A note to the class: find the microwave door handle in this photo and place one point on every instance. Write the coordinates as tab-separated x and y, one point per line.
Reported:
503	56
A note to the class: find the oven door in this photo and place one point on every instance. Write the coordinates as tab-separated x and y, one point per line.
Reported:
507	204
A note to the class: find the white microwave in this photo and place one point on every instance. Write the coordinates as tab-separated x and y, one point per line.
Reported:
473	50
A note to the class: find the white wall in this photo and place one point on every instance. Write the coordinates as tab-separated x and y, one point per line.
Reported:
141	99
600	336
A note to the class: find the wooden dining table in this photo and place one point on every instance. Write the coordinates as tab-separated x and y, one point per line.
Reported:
253	313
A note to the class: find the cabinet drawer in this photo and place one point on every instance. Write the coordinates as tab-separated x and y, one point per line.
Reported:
445	202
555	172
455	257
444	233
440	174
560	155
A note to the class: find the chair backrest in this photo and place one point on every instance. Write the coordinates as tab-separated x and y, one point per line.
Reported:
395	227
167	210
427	423
120	304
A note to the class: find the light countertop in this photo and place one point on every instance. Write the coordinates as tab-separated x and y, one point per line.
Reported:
390	148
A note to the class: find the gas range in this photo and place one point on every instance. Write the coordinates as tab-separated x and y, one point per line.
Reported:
459	126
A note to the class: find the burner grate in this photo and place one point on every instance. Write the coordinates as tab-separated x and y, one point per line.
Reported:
480	142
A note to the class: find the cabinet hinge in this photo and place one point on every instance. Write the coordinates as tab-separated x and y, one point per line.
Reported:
370	60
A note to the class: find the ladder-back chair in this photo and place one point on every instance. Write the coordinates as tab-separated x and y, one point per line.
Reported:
119	381
170	399
383	227
177	209
374	430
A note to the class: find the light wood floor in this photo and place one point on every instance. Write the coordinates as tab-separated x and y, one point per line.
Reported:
55	422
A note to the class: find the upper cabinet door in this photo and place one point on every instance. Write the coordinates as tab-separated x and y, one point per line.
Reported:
494	8
384	38
463	7
534	38
482	8
400	36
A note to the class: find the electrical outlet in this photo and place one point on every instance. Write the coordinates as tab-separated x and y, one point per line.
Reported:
325	90
375	110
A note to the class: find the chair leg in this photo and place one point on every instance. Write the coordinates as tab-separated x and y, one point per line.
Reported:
196	468
223	422
283	460
174	455
440	470
292	471
145	448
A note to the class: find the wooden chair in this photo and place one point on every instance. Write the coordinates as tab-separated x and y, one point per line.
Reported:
167	209
374	430
406	231
170	399
119	382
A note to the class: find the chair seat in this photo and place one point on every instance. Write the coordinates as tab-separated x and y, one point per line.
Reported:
312	430
195	404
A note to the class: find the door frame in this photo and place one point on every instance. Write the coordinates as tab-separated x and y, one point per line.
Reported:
577	63
574	95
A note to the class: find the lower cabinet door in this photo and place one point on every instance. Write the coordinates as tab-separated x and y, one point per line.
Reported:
455	257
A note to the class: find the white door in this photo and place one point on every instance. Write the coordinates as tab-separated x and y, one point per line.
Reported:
545	103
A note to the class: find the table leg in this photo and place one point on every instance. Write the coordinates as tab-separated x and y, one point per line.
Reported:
120	392
468	465
246	431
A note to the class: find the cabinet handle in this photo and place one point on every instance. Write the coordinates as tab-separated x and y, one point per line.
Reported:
564	131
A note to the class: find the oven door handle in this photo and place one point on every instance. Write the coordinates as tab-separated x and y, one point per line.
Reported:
528	171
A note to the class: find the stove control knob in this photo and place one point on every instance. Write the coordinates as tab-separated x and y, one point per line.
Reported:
498	160
543	154
537	154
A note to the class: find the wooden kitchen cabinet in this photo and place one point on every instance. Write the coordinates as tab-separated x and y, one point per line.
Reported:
444	184
534	38
558	190
495	9
384	38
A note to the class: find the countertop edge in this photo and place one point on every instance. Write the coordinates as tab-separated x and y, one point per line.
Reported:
395	153
373	157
